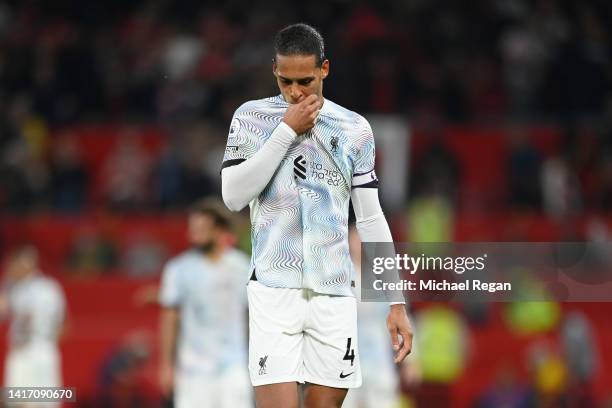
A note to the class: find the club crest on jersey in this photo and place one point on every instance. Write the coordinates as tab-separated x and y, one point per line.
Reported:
334	144
262	365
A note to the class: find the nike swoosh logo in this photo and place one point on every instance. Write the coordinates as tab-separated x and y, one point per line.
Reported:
342	375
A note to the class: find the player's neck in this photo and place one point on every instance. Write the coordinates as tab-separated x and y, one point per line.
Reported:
215	254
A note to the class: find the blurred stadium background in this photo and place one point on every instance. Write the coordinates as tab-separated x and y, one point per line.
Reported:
493	121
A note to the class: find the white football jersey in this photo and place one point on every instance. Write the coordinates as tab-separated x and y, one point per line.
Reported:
300	220
37	306
212	301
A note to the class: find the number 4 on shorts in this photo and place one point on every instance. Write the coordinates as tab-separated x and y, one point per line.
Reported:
350	353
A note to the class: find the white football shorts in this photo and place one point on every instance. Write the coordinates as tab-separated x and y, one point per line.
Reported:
34	365
303	336
228	390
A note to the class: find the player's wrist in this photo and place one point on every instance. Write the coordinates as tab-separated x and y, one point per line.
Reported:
287	128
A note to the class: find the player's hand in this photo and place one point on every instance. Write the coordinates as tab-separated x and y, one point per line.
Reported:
400	330
166	379
301	117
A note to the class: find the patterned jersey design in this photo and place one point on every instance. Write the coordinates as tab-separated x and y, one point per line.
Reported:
300	220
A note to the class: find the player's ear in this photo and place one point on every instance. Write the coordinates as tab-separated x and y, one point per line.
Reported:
274	66
325	69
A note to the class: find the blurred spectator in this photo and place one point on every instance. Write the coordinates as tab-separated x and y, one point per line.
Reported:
24	174
167	175
91	254
430	219
602	177
533	315
442	344
524	51
68	176
578	78
599	236
579	348
196	179
434	185
15	194
560	191
126	174
505	391
143	256
437	171
123	382
549	376
182	52
524	164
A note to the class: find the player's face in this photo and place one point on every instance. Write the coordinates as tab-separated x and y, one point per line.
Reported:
19	267
202	231
298	76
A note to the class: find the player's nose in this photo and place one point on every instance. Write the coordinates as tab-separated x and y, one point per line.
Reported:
296	94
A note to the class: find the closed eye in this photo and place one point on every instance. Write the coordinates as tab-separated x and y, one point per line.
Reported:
301	81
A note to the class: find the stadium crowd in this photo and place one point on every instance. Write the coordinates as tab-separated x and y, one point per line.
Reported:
186	65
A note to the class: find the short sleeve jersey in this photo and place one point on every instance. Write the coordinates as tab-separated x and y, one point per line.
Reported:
299	231
211	298
37	306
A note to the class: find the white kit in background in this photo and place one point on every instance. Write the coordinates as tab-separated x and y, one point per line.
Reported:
211	345
37	308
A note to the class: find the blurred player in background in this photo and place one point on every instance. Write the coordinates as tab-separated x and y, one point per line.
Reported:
297	159
203	321
36	306
380	388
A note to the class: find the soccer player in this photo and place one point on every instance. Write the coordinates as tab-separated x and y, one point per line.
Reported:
297	159
36	305
203	320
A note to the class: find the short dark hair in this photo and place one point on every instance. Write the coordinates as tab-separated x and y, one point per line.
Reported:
300	39
213	209
27	252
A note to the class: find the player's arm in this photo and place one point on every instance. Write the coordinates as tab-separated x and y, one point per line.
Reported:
373	227
169	320
371	223
244	179
4	305
168	328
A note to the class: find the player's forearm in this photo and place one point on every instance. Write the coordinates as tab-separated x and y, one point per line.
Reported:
4	305
372	226
167	334
376	229
243	182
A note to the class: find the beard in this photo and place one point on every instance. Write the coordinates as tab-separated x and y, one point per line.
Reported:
205	248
